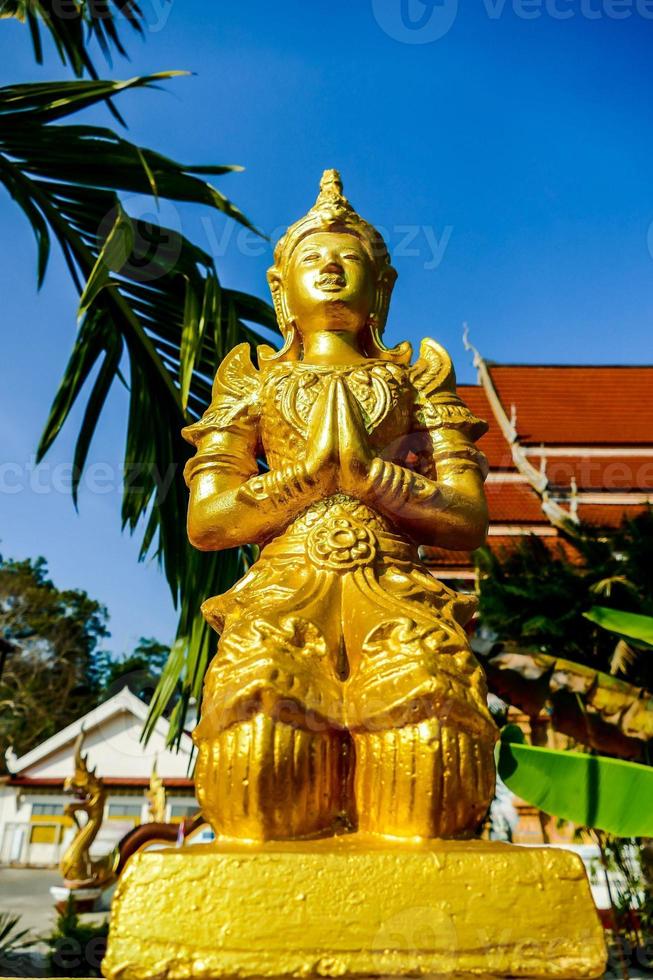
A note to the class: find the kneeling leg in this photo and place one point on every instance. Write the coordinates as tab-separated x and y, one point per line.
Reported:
422	780
264	779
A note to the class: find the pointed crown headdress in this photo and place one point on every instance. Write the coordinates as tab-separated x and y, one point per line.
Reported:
333	212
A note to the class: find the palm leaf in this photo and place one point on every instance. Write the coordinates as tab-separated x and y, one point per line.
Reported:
150	299
12	938
72	23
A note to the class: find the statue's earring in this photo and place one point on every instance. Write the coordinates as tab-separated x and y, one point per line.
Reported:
402	353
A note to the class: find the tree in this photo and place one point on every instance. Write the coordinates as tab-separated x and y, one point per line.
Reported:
550	651
50	676
536	597
152	315
139	670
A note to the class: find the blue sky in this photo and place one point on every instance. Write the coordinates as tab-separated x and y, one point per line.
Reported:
504	147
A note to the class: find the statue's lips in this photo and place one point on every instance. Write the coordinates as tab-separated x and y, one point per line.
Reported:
331	284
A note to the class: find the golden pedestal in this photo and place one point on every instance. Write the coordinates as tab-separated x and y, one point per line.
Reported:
354	906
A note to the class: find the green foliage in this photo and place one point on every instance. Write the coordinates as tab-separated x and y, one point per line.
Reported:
13	939
152	315
71	24
139	670
537	598
635	627
76	947
589	790
50	671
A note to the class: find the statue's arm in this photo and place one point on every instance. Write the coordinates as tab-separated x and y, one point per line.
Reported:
448	510
446	506
226	510
231	503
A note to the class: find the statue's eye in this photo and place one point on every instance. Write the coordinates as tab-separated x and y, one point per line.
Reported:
310	257
352	257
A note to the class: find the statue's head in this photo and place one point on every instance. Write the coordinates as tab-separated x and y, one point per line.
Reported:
332	271
87	788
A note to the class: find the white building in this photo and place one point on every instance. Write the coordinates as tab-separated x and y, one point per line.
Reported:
33	827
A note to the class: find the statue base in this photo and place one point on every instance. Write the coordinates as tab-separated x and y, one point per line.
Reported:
356	907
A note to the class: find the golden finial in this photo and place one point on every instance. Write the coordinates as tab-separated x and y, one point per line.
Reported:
330	188
156	796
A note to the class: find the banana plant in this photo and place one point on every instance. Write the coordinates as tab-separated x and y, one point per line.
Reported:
596	709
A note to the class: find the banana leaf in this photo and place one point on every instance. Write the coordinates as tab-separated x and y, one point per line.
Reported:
589	790
632	626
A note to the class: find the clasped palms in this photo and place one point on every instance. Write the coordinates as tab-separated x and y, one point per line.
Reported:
338	451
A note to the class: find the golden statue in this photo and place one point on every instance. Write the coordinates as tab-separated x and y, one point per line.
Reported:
344	729
344	694
156	798
78	869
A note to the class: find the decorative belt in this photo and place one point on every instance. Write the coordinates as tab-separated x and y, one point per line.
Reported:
339	542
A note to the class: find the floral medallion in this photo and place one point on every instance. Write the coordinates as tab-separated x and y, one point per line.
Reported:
340	543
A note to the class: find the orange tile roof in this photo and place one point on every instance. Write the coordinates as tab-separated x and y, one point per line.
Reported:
608	515
438	558
571	406
578	405
514	503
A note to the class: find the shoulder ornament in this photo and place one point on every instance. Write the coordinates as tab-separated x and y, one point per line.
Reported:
437	404
235	393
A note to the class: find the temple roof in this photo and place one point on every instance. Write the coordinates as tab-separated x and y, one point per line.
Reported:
565	443
577	405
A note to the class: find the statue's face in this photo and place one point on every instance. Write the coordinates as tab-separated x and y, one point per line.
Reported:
330	283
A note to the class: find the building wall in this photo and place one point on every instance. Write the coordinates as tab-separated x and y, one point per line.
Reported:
34	832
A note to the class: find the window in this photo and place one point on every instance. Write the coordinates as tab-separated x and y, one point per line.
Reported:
179	811
52	809
44	834
125	809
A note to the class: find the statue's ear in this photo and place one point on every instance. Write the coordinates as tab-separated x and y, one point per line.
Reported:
274	279
275	282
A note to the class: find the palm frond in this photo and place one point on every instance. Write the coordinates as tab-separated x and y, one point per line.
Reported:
72	23
623	658
12	938
149	297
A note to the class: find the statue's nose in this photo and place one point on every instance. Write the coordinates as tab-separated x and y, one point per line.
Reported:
332	265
